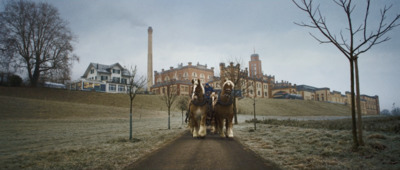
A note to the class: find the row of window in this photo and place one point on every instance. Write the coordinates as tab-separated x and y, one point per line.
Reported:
113	87
258	85
115	71
114	79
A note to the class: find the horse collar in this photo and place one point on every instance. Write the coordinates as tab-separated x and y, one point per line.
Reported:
196	103
229	102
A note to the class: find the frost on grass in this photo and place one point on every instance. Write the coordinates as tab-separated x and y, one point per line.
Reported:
316	148
81	144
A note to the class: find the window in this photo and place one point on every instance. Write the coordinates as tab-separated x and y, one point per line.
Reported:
104	77
259	93
166	78
123	81
185	74
194	74
116	79
121	88
265	94
91	71
116	71
112	87
202	75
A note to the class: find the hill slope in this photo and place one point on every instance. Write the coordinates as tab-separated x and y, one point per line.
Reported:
285	107
269	107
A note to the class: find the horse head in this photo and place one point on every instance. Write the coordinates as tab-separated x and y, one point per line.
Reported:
198	89
227	87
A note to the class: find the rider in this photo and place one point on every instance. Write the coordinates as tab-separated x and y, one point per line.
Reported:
208	90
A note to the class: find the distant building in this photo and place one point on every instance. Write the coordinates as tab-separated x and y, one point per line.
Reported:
182	77
103	78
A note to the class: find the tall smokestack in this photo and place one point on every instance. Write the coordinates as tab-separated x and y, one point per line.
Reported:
150	60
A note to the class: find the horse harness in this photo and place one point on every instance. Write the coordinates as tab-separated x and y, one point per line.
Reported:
229	102
197	103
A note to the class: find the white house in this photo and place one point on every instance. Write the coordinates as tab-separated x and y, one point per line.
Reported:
104	78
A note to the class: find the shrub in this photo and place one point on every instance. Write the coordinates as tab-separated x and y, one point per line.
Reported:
15	81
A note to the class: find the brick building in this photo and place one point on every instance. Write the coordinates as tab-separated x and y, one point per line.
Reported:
182	77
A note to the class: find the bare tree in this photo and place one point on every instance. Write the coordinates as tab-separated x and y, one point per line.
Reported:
135	85
352	42
40	38
170	94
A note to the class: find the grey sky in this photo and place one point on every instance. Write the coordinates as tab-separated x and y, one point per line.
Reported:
210	32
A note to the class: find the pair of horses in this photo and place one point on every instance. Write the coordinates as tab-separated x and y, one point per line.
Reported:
222	107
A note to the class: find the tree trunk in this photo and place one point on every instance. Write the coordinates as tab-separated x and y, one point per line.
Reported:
130	122
254	108
353	110
169	118
235	110
359	111
182	117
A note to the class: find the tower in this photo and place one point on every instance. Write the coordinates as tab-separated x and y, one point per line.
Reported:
255	66
150	59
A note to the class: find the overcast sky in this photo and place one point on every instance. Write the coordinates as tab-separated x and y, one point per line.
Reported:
210	32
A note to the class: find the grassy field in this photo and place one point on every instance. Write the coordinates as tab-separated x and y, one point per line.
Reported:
326	144
42	129
59	129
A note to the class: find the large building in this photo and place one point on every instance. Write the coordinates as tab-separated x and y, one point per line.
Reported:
103	78
181	77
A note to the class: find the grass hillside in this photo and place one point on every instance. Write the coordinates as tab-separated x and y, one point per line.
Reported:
76	99
151	102
284	107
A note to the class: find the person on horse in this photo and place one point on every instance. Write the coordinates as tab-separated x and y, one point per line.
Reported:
208	90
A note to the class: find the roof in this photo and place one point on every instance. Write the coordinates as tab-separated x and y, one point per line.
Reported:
102	68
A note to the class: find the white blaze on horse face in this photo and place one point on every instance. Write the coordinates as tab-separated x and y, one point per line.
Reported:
202	88
194	89
228	82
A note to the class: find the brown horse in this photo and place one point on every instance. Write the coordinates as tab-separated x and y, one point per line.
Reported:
223	108
198	110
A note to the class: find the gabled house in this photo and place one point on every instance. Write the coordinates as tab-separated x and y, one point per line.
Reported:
104	78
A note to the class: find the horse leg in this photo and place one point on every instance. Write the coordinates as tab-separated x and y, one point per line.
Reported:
195	128
229	128
203	128
221	127
213	125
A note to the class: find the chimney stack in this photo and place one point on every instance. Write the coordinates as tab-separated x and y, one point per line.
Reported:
150	59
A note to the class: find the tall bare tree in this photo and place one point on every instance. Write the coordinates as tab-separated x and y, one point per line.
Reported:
170	94
353	41
135	85
40	37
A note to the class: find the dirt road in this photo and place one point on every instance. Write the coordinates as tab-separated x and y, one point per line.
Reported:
213	152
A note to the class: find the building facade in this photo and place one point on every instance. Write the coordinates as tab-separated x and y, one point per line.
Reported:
253	83
181	77
103	78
